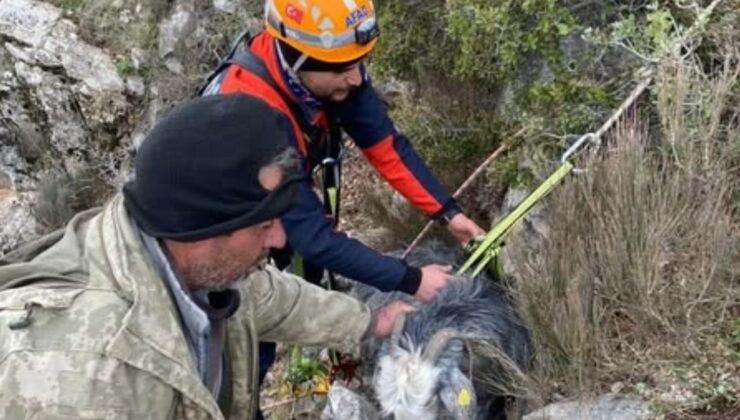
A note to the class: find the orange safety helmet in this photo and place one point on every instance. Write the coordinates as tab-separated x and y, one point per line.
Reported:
333	31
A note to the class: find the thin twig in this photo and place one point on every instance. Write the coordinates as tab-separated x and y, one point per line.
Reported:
648	75
495	155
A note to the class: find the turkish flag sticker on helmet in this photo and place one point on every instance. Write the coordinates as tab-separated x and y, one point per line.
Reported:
294	13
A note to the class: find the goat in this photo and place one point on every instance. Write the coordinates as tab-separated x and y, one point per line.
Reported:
455	357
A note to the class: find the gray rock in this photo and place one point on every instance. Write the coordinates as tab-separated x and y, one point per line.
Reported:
4	135
532	69
345	404
6	183
82	61
174	65
99	91
605	407
60	48
7	81
179	24
149	118
20	54
535	218
27	21
527	234
66	129
16	169
30	139
138	58
35	56
17	224
226	6
135	85
137	139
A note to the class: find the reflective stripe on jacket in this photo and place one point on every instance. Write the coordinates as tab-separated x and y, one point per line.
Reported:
364	118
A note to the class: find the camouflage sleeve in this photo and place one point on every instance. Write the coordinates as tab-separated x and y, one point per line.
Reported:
63	385
288	309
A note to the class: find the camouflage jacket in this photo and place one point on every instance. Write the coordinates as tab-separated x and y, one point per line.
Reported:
88	330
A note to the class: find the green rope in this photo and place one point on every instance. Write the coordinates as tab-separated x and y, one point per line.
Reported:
490	247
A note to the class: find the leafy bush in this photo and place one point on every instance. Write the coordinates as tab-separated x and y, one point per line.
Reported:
480	70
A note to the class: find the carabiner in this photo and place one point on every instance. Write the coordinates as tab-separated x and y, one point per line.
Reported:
577	145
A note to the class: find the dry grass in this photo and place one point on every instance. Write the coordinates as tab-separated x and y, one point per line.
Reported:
640	275
61	196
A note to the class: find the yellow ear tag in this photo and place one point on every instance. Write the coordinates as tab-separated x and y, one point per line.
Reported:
463	398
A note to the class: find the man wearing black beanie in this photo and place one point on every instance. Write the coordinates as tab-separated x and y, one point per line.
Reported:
143	310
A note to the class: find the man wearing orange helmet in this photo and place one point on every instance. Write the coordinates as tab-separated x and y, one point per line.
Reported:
308	64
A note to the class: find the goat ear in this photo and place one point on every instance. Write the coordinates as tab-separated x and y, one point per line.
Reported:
458	396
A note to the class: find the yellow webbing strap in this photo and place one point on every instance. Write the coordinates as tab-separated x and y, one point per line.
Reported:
297	263
332	193
491	244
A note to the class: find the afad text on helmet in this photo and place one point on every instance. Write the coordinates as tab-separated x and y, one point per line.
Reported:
356	15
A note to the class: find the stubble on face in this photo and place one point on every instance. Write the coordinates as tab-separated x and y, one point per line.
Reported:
224	268
327	86
219	262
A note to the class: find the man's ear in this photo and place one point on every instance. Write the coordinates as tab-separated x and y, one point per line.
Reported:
458	396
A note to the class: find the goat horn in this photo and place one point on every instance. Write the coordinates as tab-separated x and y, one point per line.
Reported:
438	341
398	329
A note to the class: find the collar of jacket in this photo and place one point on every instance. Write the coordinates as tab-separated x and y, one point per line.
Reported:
300	92
150	338
264	46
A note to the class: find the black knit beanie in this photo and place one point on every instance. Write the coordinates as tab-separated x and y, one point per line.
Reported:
292	55
196	174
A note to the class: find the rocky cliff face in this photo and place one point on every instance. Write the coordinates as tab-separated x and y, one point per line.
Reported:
81	82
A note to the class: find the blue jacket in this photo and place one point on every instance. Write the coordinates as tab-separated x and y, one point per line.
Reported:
364	118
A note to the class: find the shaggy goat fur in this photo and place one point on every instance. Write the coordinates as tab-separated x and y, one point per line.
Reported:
453	385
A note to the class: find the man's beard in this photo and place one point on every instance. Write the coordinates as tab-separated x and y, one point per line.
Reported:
221	273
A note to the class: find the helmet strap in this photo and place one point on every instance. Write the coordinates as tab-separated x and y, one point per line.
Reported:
284	63
298	63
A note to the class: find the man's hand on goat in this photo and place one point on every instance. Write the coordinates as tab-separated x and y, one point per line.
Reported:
434	277
463	229
385	317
